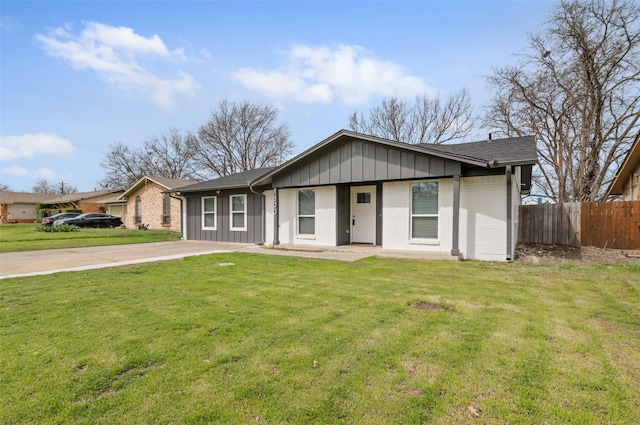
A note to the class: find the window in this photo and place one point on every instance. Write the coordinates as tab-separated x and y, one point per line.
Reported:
424	210
238	212
166	209
209	213
307	212
138	210
363	198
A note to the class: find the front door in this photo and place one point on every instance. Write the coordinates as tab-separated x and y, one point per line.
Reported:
363	214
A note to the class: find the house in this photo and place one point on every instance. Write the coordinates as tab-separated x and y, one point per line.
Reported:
626	183
20	207
147	203
352	188
95	201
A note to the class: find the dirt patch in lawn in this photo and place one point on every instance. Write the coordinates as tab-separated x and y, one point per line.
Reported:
559	254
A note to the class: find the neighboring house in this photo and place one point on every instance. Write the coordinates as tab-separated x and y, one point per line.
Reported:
459	199
95	201
20	207
147	203
627	181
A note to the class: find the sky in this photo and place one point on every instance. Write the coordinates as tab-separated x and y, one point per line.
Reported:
77	77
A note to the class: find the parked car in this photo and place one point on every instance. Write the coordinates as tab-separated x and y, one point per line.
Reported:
48	221
91	220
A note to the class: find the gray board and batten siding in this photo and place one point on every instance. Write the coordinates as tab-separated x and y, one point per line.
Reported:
223	232
359	161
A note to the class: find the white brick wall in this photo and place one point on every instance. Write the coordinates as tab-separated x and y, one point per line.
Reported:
268	216
483	232
396	218
482	218
326	212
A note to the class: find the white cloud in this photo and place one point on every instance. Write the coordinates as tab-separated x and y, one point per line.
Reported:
114	53
33	145
40	173
350	74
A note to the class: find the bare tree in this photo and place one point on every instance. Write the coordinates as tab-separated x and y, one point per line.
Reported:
577	90
168	155
4	187
425	120
241	137
62	188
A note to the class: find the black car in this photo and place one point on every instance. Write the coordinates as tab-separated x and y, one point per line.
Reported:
48	221
91	220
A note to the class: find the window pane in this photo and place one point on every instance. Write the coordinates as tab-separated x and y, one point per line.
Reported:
307	202
306	225
364	198
424	198
209	220
237	203
209	204
424	227
238	220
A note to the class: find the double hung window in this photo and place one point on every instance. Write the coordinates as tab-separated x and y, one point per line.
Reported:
166	209
424	210
238	212
209	213
306	212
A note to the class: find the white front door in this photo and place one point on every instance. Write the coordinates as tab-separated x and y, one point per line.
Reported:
363	214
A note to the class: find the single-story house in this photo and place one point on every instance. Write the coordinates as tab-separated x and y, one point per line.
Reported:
95	201
460	199
627	181
20	207
147	203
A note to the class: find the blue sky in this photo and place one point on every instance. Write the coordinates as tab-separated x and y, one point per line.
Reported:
79	76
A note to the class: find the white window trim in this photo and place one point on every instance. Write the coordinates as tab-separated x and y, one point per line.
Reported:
305	235
244	214
214	212
423	241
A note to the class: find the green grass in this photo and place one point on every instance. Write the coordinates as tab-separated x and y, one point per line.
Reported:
24	237
238	338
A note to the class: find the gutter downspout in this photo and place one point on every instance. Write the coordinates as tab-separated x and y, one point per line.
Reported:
183	217
455	249
262	215
509	218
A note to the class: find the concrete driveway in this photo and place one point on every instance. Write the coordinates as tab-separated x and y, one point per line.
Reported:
32	263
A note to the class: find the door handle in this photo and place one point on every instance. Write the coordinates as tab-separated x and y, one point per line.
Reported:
353	221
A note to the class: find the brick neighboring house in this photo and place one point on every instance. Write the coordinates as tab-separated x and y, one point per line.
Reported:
20	207
144	203
95	201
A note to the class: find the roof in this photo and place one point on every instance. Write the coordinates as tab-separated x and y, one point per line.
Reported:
488	153
165	182
630	164
9	197
495	153
485	153
233	181
78	196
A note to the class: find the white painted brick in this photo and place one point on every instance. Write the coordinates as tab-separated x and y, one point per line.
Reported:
326	212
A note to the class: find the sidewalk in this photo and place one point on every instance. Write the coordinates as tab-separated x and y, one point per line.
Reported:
32	263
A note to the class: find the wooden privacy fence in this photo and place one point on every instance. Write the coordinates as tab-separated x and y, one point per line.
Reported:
601	224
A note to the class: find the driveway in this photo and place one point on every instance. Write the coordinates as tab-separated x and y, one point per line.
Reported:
32	263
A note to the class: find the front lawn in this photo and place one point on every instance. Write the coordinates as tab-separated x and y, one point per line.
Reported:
239	338
23	237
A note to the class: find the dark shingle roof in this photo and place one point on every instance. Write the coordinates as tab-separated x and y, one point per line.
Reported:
511	151
233	181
